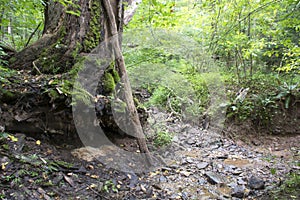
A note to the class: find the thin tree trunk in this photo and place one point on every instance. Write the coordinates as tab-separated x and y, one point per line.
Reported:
249	37
133	114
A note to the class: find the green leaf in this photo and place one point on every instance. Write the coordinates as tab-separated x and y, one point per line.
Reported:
73	13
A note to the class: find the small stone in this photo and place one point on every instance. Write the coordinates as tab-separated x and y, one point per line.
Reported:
175	139
241	181
143	189
214	147
256	183
238	192
166	169
202	165
157	186
219	166
224	156
162	179
202	181
193	131
237	172
185	173
214	178
189	160
191	141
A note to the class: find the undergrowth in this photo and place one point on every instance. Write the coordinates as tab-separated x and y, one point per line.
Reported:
289	189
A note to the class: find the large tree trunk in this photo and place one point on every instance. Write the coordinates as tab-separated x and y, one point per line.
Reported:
65	36
39	103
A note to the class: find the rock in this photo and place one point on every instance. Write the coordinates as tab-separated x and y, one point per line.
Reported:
241	181
185	173
175	196
238	192
223	156
166	169
175	138
237	172
202	165
191	141
214	178
202	181
193	131
162	179
256	183
157	186
189	160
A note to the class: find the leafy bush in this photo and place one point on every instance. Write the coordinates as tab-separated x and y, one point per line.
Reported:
2	54
262	103
162	138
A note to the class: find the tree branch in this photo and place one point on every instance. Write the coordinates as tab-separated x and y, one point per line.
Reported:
129	12
32	34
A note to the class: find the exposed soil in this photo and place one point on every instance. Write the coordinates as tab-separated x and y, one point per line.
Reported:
199	165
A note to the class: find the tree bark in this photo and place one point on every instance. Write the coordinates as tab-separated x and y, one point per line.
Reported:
128	99
65	36
32	107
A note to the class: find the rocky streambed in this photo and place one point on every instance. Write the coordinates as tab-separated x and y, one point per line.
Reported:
200	164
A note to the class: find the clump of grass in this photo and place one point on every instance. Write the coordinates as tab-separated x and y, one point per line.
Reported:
163	138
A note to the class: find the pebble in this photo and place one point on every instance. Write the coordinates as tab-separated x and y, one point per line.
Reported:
256	183
214	178
202	165
162	179
191	141
241	181
185	173
238	192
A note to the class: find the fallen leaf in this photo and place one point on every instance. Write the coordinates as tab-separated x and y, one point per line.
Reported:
3	165
94	176
93	185
13	138
50	82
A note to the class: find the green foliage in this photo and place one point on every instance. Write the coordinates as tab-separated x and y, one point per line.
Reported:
109	185
169	66
2	61
72	8
19	19
162	138
155	13
286	92
289	189
5	74
264	99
